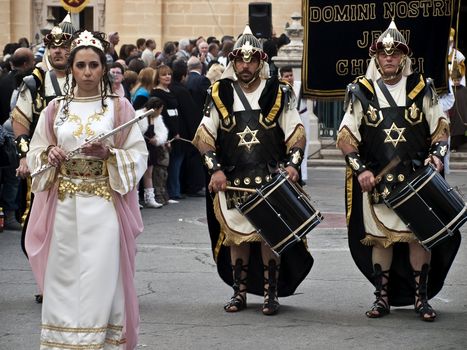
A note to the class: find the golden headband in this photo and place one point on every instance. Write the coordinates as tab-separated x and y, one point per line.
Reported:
86	38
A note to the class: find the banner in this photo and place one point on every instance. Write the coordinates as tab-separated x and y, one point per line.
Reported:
74	6
338	34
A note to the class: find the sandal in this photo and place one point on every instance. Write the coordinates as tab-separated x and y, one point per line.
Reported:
38	298
422	307
238	300
380	307
271	303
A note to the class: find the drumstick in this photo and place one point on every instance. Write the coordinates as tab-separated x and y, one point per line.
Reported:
391	165
251	190
179	138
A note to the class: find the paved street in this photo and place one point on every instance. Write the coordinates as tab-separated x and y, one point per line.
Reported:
181	295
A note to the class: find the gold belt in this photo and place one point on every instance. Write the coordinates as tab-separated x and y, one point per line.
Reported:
80	168
86	177
91	187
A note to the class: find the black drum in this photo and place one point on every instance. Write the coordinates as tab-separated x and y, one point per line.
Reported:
429	207
281	212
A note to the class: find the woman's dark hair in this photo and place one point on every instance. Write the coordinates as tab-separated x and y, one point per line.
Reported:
119	66
155	103
105	85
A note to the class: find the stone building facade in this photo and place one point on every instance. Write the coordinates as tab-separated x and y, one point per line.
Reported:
162	20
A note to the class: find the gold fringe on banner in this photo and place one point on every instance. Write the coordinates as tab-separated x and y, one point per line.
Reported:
74	6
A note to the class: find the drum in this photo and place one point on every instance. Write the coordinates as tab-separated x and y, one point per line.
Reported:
429	207
281	212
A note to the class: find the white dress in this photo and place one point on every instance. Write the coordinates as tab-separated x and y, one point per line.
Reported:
84	305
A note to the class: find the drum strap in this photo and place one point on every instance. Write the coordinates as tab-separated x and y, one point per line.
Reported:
386	93
242	96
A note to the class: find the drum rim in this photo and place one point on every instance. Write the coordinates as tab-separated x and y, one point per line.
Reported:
414	180
294	233
448	225
426	179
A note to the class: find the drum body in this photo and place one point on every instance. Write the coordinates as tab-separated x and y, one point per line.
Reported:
281	213
429	207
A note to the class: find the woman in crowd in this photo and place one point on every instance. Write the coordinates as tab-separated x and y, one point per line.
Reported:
116	77
171	120
141	90
85	214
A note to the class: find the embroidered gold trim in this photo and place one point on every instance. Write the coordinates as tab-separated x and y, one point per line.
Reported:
218	102
54	328
413	115
19	117
115	342
346	136
72	346
28	201
373	117
441	132
99	188
84	168
86	128
133	171
114	327
125	168
232	237
203	136
275	108
392	236
367	84
296	136
416	90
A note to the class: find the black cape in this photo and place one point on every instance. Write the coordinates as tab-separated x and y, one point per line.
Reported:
296	261
401	288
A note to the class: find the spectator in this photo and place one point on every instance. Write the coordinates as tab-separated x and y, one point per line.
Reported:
148	55
116	77
143	87
155	134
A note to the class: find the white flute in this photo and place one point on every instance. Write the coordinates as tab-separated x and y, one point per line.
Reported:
99	137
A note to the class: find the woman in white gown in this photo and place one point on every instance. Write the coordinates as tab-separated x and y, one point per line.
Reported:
83	225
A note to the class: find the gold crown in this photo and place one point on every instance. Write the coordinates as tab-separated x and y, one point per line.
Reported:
86	38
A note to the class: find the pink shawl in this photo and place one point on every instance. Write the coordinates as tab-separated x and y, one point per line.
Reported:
39	229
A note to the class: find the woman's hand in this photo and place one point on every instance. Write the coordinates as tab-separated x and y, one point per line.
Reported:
56	156
96	149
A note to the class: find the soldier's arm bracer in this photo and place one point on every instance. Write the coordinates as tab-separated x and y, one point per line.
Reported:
355	163
22	145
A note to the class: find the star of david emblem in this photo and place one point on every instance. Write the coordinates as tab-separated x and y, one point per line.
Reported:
393	131
248	138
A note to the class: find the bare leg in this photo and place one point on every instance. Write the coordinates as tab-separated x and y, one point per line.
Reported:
239	257
147	177
382	259
420	261
271	261
418	256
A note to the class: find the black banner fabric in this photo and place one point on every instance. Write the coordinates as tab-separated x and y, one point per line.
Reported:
338	34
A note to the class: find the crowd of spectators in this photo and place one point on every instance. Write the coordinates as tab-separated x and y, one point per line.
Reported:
175	76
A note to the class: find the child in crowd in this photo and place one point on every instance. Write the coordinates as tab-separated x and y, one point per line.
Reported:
155	134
